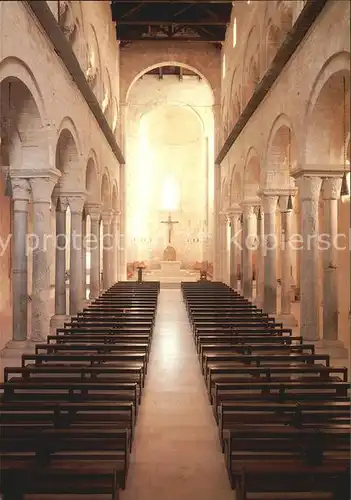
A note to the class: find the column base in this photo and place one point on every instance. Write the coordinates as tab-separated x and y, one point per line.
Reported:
287	319
15	348
335	348
57	321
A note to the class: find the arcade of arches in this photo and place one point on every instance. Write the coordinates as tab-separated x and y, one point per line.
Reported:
133	131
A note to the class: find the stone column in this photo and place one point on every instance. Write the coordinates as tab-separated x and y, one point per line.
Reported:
270	253
260	259
309	187
20	197
223	250
331	194
60	266
216	225
76	203
235	245
42	188
107	249
285	261
84	258
94	212
122	222
115	249
248	235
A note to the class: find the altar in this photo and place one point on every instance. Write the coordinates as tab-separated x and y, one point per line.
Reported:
170	267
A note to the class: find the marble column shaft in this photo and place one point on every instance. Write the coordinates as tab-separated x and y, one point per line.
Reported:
42	188
285	253
60	257
248	235
331	194
234	248
223	251
260	260
217	230
107	249
115	250
84	257
76	204
21	190
95	215
309	189
270	254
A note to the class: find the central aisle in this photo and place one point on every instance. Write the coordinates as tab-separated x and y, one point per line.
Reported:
176	453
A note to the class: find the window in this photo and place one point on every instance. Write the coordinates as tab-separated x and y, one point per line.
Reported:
234	32
223	67
170	195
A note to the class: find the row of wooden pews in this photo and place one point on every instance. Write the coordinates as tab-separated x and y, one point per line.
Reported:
68	414
283	412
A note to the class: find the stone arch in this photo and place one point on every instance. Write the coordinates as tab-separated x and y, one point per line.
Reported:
106	189
106	103
115	200
235	187
252	174
285	13
273	41
251	70
325	113
12	67
282	154
24	140
142	71
67	162
92	179
93	73
225	194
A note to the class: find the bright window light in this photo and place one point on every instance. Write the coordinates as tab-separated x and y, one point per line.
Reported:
234	32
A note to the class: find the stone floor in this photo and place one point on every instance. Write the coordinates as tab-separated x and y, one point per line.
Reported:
176	453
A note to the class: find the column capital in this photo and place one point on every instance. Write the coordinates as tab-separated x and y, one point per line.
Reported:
20	189
309	187
61	203
93	210
115	216
233	213
284	200
107	216
42	185
76	201
248	207
331	187
269	200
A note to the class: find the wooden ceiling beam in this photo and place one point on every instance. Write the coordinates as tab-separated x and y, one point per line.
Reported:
187	22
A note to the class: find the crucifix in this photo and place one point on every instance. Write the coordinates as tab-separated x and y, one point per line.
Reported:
170	223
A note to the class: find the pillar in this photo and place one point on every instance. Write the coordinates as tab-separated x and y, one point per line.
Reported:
107	249
216	224
235	245
115	245
94	211
20	196
248	235
84	257
309	188
331	194
285	261
223	248
60	265
42	188
260	259
270	252
122	226
76	204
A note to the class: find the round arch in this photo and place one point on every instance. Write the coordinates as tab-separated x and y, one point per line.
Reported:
106	189
166	63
